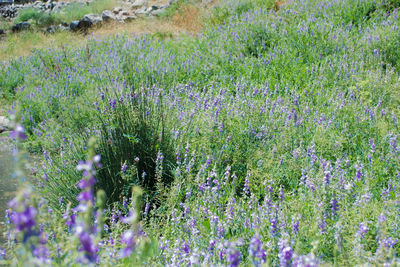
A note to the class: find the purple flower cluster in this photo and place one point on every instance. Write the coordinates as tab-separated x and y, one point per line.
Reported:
23	215
84	230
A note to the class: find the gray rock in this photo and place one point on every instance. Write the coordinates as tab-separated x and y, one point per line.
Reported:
73	26
5	124
206	2
123	13
21	26
139	4
6	2
85	23
129	18
8	11
56	28
93	19
117	10
107	16
151	9
141	11
158	12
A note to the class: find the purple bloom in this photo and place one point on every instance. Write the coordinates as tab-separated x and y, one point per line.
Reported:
83	184
256	251
305	261
124	167
362	230
127	238
233	257
334	206
18	132
2	253
185	247
88	246
389	242
285	253
25	220
85	196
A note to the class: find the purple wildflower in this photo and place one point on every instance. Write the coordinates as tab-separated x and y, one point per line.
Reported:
362	230
18	132
256	251
127	239
233	257
285	253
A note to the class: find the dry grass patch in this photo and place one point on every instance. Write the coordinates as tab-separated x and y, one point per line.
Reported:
189	18
22	44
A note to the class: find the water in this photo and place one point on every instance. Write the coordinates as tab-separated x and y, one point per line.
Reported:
8	184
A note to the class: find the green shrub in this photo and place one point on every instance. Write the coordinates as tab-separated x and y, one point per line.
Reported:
259	40
133	134
41	19
77	10
10	79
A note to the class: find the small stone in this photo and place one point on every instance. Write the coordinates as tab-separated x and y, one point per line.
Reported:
107	16
130	18
139	4
117	10
141	11
124	13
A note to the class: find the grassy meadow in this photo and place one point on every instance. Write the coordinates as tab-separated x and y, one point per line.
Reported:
269	138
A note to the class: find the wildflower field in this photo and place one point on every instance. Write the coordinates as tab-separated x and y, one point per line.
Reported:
270	139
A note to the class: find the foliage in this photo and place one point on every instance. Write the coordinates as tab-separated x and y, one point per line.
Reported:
271	138
40	18
74	11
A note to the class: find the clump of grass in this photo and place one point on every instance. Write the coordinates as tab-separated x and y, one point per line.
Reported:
137	139
23	43
40	18
76	11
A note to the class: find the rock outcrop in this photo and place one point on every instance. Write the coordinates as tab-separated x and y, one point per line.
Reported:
5	124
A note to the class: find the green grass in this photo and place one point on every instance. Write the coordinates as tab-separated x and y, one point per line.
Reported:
265	120
74	11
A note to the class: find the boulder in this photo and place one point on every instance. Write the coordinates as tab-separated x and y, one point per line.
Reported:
56	28
8	11
73	26
5	124
93	19
117	10
107	16
139	4
21	26
152	10
141	11
86	22
123	13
